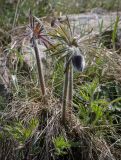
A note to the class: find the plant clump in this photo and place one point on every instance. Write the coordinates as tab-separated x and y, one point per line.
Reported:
71	113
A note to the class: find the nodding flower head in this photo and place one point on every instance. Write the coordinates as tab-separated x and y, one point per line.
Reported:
78	60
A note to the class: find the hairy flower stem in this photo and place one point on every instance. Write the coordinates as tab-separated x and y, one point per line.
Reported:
39	66
65	90
70	88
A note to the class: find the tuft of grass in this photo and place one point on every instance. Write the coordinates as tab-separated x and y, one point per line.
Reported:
61	145
22	133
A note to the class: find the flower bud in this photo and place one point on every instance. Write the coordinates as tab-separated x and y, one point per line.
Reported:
78	60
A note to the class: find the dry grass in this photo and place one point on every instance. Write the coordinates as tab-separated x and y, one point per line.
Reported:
50	126
95	51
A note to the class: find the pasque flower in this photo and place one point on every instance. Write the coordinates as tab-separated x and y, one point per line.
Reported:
78	59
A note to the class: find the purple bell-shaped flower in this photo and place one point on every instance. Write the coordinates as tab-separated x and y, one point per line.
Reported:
78	60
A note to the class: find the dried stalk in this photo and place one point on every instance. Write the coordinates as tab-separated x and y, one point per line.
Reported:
39	66
16	14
